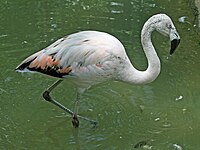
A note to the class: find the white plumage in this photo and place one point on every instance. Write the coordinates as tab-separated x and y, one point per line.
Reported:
89	57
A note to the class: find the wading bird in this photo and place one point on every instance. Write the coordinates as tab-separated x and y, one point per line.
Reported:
89	57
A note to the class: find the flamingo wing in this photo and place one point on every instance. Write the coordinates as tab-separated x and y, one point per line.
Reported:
88	52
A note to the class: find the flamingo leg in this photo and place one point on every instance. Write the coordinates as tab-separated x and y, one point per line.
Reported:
75	122
47	97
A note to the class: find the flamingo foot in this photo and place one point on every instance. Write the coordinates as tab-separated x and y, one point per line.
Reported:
75	120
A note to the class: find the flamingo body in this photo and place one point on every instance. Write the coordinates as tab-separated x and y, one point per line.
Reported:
87	57
91	57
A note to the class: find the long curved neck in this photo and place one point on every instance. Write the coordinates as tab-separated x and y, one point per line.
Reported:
153	70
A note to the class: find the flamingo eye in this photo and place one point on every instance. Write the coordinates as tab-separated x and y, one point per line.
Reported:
169	26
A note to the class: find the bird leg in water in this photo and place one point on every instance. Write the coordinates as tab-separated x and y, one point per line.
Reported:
75	121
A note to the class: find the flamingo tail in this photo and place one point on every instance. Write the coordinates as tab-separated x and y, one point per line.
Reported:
46	64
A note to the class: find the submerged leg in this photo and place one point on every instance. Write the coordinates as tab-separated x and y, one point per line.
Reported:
47	97
75	120
76	108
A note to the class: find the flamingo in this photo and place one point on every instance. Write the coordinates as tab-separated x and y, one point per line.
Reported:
89	57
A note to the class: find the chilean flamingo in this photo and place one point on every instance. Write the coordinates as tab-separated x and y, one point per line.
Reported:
89	57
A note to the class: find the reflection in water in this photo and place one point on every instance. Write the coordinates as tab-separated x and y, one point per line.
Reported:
76	138
50	133
53	131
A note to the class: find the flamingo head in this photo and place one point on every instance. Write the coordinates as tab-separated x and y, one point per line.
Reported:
164	25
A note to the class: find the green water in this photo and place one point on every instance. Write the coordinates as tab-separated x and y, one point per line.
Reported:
126	114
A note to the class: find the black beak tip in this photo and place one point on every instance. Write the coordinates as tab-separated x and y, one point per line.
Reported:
174	45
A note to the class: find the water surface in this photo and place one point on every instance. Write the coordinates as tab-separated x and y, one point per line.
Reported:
163	113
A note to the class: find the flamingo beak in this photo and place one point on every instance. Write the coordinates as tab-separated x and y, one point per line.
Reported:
175	40
174	45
